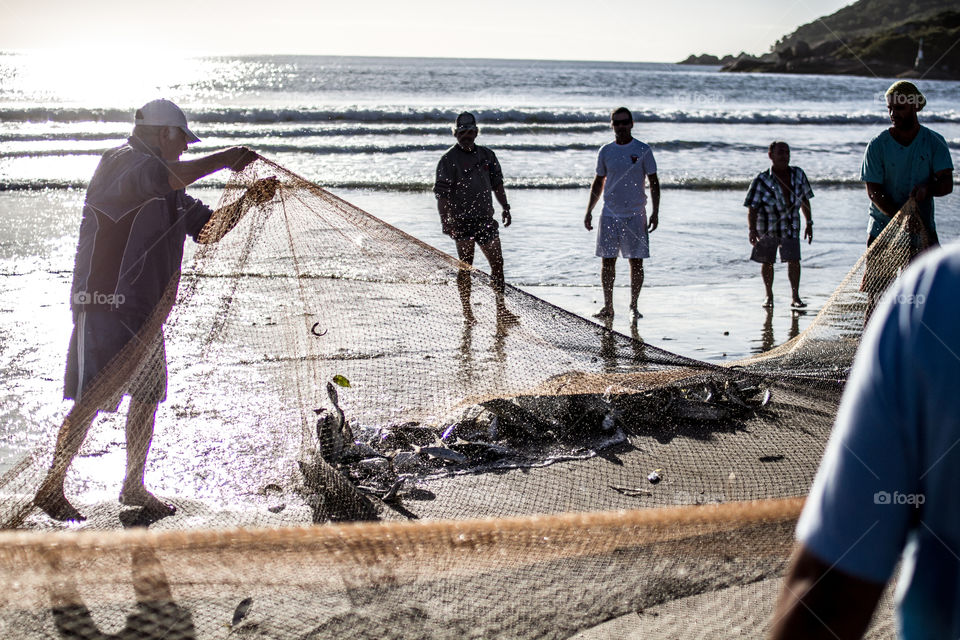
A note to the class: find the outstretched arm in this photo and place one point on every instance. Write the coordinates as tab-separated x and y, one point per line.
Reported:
595	190
186	172
224	219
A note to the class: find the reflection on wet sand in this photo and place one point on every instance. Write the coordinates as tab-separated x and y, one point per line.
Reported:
156	615
466	363
608	347
767	339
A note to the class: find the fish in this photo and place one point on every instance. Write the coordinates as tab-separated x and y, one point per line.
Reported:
442	453
241	611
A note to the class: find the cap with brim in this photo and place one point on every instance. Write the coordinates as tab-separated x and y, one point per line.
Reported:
163	113
465	122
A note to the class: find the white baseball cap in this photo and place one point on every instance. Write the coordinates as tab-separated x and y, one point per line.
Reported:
163	113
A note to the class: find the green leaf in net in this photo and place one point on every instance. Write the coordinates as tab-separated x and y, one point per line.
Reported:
341	380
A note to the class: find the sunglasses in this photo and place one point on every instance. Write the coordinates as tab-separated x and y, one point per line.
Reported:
620	123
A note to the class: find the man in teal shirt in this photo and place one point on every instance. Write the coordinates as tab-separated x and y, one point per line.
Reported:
907	160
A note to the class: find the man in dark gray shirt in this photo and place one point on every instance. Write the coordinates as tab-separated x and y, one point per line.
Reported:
466	175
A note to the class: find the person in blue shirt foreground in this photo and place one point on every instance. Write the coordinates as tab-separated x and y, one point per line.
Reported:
888	484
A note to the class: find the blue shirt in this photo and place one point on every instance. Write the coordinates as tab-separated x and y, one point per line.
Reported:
899	169
132	232
889	483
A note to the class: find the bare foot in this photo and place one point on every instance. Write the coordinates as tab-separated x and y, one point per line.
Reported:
635	314
606	312
54	504
149	502
798	303
768	303
468	317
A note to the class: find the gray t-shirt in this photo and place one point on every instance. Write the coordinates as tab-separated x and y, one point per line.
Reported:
466	178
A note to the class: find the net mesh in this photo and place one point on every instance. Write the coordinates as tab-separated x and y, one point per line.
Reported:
519	473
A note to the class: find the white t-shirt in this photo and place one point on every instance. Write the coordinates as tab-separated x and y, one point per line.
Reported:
625	167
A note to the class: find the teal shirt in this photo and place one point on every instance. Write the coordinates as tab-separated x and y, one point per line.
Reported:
899	169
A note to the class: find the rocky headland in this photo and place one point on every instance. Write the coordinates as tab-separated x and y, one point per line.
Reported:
867	38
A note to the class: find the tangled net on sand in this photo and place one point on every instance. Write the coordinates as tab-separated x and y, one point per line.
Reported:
540	478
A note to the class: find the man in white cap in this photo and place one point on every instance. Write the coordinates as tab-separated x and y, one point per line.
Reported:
136	217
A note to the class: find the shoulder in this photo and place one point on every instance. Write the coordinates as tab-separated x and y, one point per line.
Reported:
640	146
128	155
449	154
933	136
881	139
486	152
607	148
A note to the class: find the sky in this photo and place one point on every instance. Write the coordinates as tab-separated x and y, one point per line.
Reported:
663	31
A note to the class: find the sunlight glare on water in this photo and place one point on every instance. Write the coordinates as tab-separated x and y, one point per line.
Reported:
97	76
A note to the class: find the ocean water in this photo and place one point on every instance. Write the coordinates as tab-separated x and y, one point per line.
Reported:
372	129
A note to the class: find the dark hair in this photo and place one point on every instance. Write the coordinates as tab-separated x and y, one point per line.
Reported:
621	110
773	145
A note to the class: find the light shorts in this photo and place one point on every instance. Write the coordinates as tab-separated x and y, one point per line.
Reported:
765	251
623	235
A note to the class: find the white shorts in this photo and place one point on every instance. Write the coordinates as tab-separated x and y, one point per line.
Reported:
623	235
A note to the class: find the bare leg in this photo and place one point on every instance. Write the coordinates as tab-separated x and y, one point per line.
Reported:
50	497
608	273
139	436
494	254
465	249
636	283
766	272
793	272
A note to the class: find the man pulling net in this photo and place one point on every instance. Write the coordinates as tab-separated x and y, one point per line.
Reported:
136	218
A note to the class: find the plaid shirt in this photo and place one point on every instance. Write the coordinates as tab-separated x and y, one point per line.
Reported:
778	215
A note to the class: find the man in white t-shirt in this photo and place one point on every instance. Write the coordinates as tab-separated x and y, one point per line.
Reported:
622	168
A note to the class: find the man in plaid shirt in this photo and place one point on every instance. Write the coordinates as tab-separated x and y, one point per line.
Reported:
775	200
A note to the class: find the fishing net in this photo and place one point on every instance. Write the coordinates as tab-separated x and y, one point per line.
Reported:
511	471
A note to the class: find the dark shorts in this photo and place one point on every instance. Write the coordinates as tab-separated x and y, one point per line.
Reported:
765	251
483	231
97	337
